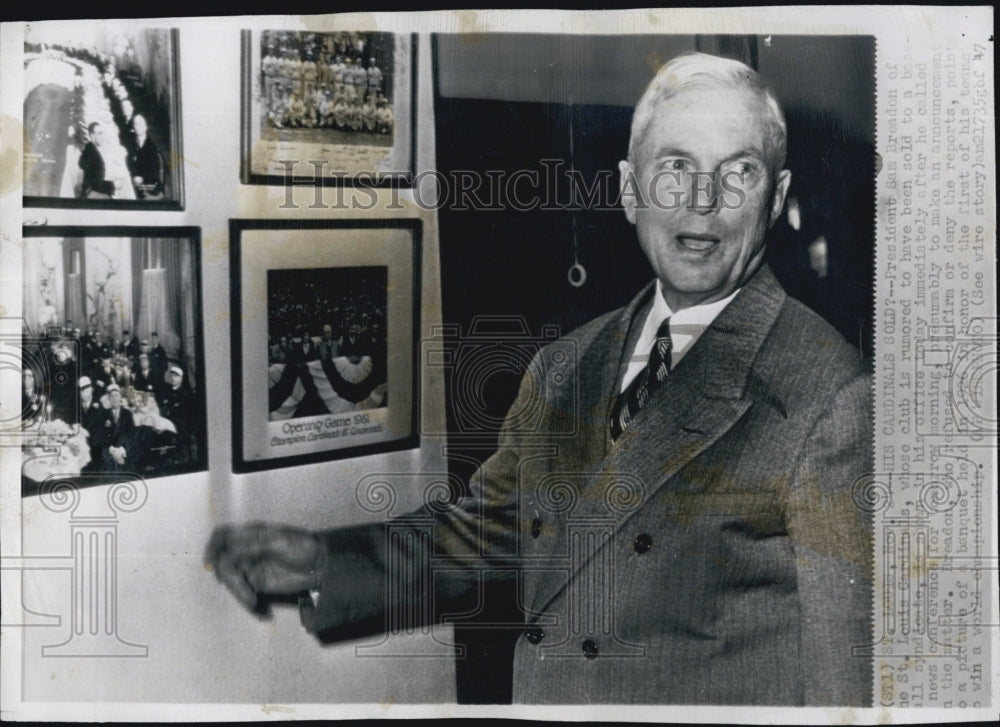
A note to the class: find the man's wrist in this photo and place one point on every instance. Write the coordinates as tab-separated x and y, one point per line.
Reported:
319	566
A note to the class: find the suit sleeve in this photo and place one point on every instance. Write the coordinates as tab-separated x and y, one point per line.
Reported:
833	550
373	571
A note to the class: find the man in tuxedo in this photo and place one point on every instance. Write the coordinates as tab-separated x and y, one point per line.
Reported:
144	379
695	541
119	435
92	163
145	162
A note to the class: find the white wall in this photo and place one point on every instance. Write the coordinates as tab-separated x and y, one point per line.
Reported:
202	647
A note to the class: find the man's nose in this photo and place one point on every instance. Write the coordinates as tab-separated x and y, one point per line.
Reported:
704	192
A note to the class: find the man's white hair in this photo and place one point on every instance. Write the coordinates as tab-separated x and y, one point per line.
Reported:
704	71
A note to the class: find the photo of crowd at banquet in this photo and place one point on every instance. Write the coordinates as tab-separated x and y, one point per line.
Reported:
110	357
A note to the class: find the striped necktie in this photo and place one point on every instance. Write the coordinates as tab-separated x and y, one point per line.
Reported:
644	384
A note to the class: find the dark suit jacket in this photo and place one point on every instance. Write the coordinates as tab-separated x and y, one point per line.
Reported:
148	383
146	162
92	163
122	434
712	555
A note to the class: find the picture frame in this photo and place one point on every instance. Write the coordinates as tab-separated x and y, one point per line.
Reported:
328	109
102	110
321	301
105	309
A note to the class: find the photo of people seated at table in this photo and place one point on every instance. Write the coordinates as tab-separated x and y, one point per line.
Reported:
326	341
110	363
327	87
97	118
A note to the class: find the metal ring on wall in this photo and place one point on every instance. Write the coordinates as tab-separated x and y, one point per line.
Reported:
577	275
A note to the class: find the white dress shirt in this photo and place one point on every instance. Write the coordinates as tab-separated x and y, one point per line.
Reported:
686	326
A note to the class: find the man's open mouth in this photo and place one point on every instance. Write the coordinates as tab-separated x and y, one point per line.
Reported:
697	242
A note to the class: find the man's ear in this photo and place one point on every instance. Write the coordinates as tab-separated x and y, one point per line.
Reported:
628	189
781	186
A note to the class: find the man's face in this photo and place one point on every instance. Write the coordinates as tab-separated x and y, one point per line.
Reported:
97	135
139	124
703	234
115	397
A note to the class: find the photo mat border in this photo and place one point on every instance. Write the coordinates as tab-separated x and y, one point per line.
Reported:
236	228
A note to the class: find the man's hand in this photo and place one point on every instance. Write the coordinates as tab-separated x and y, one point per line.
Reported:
262	559
117	454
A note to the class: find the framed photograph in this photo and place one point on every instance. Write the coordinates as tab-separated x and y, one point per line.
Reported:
325	322
112	354
328	108
102	117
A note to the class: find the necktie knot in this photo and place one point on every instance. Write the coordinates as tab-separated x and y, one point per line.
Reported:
664	330
659	356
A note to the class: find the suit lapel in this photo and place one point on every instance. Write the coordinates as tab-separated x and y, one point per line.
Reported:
628	328
703	398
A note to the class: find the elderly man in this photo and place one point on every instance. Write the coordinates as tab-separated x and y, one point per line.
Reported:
696	540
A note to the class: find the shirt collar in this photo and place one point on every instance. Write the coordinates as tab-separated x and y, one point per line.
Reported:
701	315
686	326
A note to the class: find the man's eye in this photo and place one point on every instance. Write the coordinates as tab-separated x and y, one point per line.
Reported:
747	168
740	174
675	165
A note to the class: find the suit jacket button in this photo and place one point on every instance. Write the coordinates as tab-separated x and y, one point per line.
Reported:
535	635
536	528
642	543
590	649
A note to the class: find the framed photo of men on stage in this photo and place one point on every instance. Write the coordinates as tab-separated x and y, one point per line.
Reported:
102	117
325	323
328	108
112	354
